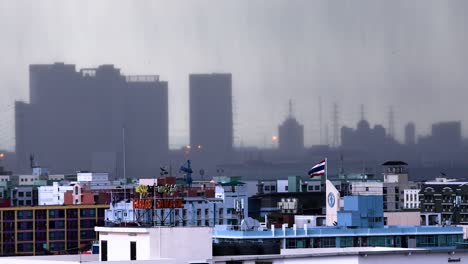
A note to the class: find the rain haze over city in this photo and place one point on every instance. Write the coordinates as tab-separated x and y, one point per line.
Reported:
326	64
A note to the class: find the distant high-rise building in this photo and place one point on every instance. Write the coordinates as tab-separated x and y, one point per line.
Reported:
447	135
211	121
75	119
291	136
410	134
364	137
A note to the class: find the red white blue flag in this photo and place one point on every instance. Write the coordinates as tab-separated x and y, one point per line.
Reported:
318	169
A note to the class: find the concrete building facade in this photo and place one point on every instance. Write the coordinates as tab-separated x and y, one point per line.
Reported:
75	120
211	121
52	195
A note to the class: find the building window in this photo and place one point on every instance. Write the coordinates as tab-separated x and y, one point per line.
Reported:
20	194
317	187
286	187
310	188
133	249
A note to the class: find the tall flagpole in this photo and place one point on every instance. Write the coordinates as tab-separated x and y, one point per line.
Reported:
326	169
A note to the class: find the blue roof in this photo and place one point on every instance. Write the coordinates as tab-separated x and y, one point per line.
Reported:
337	232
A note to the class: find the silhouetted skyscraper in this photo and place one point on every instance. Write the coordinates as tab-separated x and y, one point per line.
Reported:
410	134
291	136
447	135
211	124
74	120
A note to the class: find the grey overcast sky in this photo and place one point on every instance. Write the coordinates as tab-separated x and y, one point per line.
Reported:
411	55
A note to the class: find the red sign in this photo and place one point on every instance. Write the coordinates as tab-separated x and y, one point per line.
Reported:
158	203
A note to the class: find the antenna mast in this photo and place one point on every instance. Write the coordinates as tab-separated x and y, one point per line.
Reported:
391	123
336	139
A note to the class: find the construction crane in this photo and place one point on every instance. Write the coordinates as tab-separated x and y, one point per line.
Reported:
188	170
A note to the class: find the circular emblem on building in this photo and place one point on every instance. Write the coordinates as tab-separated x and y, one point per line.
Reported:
331	199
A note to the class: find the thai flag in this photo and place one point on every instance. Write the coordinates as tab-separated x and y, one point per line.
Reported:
318	169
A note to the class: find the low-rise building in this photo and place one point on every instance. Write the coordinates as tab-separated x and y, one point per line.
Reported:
411	198
52	195
222	201
444	203
40	230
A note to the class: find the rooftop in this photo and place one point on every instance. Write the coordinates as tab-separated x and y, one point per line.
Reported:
335	231
395	163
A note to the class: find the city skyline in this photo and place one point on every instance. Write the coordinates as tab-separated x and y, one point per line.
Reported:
346	53
272	141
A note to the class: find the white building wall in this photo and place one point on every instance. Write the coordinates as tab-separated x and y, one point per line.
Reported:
93	177
332	195
403	218
118	243
149	182
119	212
4	178
231	198
56	177
52	195
185	244
27	179
411	198
282	185
366	188
309	220
268	186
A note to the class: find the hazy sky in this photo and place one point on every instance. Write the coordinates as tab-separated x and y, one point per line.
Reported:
407	54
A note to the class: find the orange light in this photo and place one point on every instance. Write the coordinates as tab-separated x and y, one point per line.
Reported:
199	146
2	155
274	138
188	147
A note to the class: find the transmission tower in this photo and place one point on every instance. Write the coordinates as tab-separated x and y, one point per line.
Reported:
391	123
336	138
320	119
363	117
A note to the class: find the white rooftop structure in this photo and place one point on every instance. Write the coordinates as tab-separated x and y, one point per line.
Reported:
52	195
172	244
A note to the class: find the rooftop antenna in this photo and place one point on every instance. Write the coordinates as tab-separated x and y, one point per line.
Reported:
362	112
326	134
290	114
336	139
31	161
